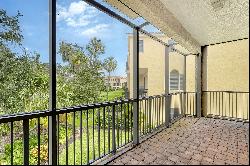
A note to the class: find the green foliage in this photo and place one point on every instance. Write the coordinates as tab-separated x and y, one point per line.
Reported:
18	151
24	86
82	74
10	29
23	79
112	95
110	64
103	148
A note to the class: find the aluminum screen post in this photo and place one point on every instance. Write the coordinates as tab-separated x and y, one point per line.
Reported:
52	150
198	84
168	97
203	80
136	86
184	86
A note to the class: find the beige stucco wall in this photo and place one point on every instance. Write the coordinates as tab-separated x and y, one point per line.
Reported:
228	66
227	69
152	58
190	71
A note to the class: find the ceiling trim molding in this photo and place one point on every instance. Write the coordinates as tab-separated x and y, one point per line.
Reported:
226	42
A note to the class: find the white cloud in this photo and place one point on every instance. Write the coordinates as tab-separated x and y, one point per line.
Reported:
77	22
81	18
78	14
95	31
77	7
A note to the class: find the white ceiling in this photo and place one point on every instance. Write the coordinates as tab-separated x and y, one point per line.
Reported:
209	22
193	23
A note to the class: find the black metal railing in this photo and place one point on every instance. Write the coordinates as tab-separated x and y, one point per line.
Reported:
152	113
189	103
152	110
232	105
85	133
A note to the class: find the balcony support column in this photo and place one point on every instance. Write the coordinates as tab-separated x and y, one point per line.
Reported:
198	84
184	87
52	84
136	85
168	97
203	80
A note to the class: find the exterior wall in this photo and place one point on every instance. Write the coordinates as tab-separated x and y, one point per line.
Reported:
152	59
155	67
227	69
190	71
228	66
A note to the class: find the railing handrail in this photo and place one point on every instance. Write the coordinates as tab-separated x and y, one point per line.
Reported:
37	114
226	91
24	115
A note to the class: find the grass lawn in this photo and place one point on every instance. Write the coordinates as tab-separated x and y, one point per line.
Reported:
18	144
96	147
112	95
93	147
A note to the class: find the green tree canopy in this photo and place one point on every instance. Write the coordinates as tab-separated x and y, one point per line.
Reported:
85	66
23	78
110	64
10	29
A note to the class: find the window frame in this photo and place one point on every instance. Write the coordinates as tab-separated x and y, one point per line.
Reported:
141	45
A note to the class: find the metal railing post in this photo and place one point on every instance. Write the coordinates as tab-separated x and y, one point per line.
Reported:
150	113
26	142
168	110
52	150
113	130
136	85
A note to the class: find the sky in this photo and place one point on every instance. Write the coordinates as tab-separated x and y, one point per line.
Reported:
77	22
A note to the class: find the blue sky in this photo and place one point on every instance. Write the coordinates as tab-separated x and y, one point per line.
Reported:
77	22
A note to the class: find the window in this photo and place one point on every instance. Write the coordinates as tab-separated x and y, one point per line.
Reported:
140	45
176	80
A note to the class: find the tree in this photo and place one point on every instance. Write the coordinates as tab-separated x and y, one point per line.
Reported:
110	65
84	75
10	29
23	79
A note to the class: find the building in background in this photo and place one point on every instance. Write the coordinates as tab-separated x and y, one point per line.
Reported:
151	67
226	67
116	82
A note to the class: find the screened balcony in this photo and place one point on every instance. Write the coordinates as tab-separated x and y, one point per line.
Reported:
167	125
